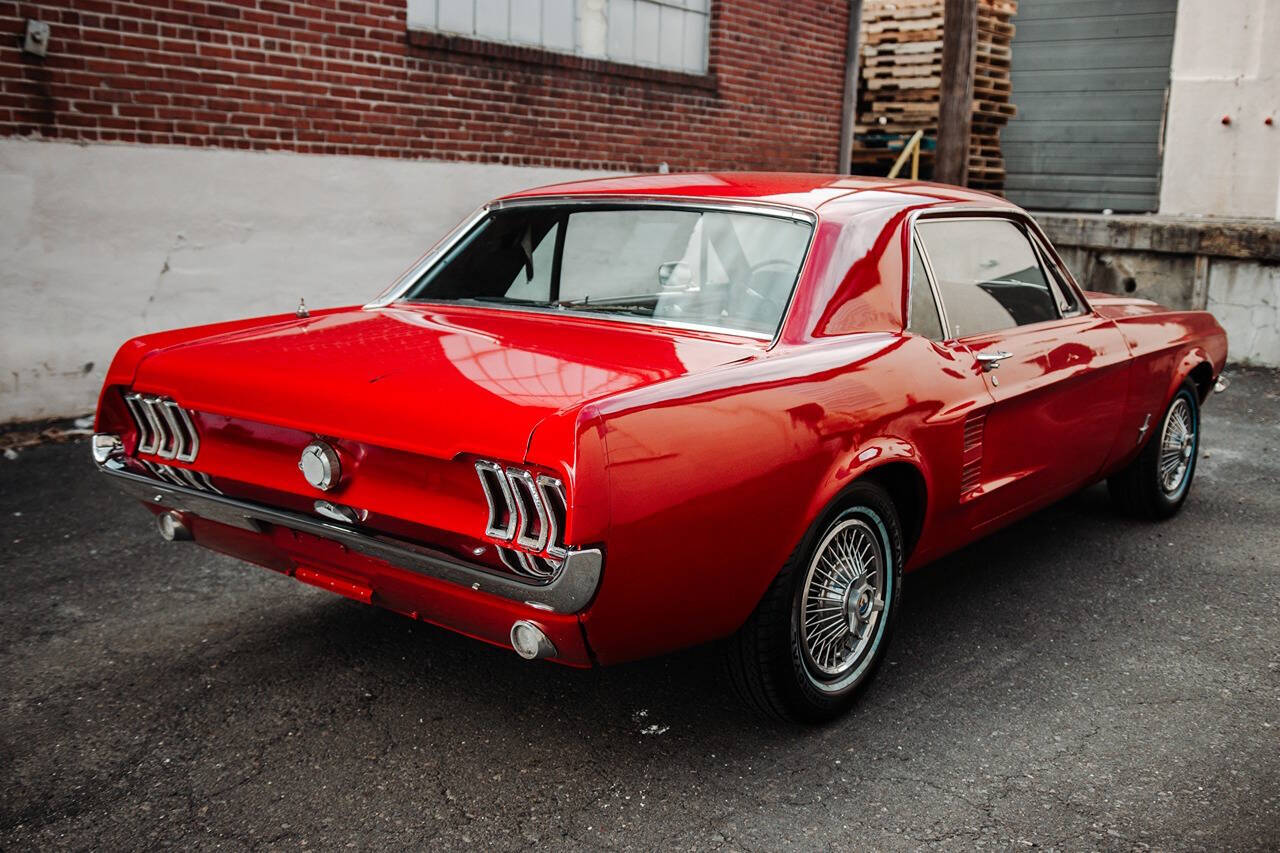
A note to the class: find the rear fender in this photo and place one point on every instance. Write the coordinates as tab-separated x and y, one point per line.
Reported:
871	456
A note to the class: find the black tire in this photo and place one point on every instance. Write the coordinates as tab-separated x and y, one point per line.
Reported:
1139	489
768	661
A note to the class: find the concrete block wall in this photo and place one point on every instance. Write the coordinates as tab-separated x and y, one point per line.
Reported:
1229	267
104	242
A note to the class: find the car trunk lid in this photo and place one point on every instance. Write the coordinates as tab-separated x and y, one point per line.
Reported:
427	379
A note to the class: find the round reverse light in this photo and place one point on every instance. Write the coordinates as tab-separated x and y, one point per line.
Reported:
529	641
320	465
172	528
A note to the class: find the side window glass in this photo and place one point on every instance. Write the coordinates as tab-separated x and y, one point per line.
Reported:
1068	304
987	273
923	317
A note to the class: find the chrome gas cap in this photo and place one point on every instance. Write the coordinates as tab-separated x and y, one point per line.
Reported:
320	465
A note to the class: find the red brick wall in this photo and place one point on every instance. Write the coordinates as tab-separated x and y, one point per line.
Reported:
342	77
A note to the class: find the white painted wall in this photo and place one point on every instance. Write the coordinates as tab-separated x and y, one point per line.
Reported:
99	243
1226	62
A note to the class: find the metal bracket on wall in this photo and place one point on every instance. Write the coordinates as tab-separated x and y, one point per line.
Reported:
36	41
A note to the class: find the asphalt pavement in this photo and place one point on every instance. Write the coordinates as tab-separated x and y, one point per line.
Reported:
1077	681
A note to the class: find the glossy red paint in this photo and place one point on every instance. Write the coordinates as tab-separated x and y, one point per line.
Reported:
696	461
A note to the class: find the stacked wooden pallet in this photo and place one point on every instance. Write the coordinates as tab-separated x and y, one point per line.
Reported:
901	76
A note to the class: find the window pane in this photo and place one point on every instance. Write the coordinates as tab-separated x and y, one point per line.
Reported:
1068	304
987	273
731	270
695	43
663	33
671	37
646	32
923	319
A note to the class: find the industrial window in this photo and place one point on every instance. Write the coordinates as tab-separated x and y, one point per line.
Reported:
659	33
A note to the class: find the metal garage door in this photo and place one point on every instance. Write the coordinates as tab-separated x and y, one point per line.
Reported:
1089	80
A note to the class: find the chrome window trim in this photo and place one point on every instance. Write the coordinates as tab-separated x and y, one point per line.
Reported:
1059	277
1019	218
397	290
930	280
608	200
570	591
442	246
656	322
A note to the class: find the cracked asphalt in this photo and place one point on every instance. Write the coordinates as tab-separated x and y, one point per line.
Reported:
1077	681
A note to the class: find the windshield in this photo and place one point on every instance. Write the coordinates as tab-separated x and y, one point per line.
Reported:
728	270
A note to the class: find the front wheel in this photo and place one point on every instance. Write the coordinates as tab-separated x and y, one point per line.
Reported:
820	632
1156	483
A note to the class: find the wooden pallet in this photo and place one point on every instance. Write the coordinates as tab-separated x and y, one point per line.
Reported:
901	64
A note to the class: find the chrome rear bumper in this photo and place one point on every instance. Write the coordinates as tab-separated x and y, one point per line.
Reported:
570	591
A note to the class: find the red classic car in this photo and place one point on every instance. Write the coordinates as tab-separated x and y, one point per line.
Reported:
609	419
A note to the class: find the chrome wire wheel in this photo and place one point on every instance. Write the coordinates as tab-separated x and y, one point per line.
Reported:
1177	446
843	599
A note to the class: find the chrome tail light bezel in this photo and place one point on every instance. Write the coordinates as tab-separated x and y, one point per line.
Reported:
531	532
530	512
165	429
502	514
556	509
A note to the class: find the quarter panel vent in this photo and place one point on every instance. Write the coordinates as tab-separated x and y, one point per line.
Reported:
971	460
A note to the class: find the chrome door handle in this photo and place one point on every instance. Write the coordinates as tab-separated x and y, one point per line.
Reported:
991	359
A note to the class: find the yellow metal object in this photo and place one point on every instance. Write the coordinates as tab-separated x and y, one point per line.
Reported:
912	150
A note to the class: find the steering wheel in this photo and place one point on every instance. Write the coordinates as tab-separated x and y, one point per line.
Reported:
769	298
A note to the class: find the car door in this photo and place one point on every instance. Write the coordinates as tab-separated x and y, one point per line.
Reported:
1056	372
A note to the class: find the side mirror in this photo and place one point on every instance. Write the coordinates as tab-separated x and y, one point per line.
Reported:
675	275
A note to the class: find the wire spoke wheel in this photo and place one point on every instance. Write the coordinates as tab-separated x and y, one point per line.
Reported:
843	598
1177	446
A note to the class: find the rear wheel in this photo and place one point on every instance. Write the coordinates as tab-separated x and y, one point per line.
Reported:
1156	483
820	632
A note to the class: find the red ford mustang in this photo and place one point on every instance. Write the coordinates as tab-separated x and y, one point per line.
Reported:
610	419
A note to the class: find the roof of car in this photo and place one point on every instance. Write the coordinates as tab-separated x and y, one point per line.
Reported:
795	189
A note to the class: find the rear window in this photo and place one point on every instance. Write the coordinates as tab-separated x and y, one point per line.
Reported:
725	269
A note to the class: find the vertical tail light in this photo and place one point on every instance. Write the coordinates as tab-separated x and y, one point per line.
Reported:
502	513
531	531
164	428
552	492
528	511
